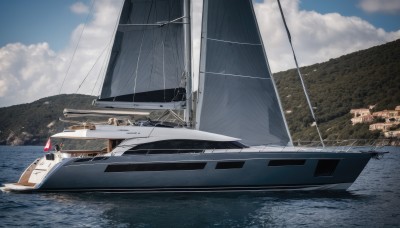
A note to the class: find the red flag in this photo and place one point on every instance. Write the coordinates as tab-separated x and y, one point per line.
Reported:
47	146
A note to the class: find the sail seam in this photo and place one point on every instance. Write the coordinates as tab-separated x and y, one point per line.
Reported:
233	42
155	25
236	75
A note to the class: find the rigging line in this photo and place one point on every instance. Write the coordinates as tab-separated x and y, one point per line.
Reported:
164	35
165	32
173	38
140	52
163	66
173	41
100	73
109	44
300	76
101	54
76	47
153	51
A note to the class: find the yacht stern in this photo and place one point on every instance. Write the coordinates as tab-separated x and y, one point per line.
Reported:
33	176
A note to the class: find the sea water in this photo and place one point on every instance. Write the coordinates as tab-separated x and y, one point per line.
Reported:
372	201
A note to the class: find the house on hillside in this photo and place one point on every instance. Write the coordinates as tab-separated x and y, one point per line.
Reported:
362	119
361	115
391	126
392	134
360	112
381	126
386	114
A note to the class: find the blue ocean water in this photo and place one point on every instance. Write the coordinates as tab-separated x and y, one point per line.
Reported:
372	201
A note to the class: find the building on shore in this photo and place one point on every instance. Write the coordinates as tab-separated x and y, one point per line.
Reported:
386	114
392	134
387	121
381	126
361	115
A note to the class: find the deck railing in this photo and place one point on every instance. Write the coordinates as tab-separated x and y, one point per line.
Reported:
350	145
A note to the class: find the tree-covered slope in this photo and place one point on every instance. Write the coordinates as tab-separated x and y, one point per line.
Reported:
33	123
355	80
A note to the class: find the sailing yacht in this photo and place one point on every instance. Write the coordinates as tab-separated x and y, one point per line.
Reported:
238	139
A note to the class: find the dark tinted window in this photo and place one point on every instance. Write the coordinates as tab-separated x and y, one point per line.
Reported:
155	167
182	146
326	167
83	159
285	162
230	165
99	158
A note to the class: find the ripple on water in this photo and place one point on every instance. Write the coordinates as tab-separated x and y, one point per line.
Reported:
372	201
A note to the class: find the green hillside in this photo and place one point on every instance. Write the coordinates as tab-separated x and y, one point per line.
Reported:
33	123
355	80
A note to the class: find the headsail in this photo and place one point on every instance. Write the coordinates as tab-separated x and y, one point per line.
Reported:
146	66
237	94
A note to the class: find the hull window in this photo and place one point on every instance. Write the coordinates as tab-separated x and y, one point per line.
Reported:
155	167
326	167
286	162
229	165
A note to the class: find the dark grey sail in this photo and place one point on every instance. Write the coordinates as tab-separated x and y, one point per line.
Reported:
237	94
146	67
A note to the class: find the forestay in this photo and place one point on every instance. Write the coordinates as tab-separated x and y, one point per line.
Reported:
237	95
146	66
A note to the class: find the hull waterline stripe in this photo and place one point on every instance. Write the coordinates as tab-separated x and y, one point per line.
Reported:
201	189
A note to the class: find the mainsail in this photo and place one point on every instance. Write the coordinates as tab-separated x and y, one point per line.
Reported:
237	94
146	69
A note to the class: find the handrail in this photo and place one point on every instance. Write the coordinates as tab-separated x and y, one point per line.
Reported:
347	145
83	151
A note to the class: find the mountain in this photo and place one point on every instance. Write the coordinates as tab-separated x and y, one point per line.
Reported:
33	123
356	80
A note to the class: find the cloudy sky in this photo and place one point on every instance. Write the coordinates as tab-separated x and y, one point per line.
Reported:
39	38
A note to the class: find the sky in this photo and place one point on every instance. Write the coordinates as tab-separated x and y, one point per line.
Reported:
40	54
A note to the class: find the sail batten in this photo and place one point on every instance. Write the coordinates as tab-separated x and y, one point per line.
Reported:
237	96
236	75
233	42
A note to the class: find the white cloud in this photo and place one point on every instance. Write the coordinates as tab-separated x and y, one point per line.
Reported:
28	73
380	6
79	8
316	37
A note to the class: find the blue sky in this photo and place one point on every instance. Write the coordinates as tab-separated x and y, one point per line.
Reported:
33	21
387	21
38	39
